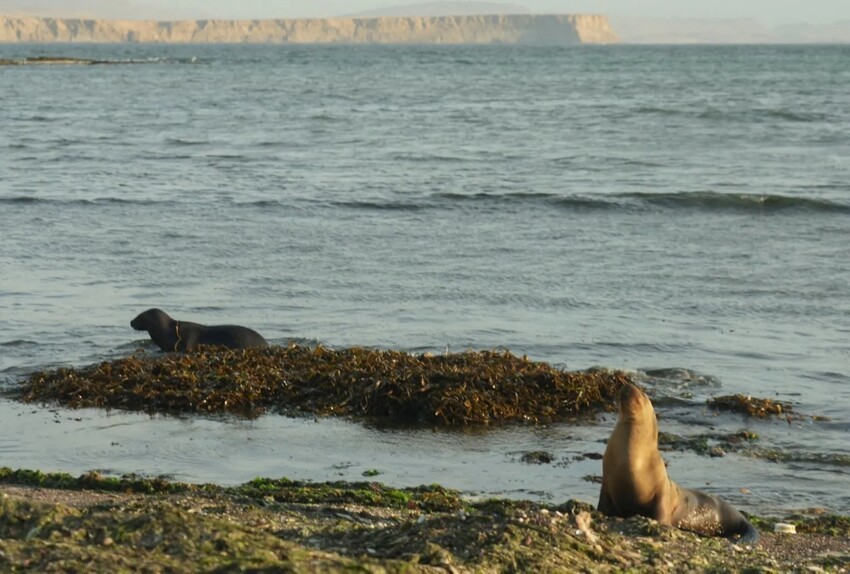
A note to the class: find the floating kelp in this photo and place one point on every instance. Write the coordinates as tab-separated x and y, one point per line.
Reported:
486	387
750	406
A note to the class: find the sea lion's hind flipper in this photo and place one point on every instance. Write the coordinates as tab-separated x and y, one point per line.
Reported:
750	535
734	522
605	505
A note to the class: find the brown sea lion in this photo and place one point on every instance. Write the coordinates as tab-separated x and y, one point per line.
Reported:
635	481
172	335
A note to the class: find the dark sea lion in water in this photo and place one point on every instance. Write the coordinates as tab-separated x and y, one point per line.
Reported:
172	335
635	481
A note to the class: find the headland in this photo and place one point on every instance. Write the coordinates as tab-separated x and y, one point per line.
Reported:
553	29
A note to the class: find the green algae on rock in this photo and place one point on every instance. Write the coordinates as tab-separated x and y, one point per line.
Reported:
432	498
92	480
481	387
190	528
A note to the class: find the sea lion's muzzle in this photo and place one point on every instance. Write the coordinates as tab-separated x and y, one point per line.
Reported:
632	399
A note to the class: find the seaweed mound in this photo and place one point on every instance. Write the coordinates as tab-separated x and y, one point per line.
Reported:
482	387
751	406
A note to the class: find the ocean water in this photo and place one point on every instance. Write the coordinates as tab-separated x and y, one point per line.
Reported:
679	212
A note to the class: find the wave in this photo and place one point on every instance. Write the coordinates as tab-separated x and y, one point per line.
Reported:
379	205
762	115
184	142
713	201
19	343
545	199
264	203
426	158
32	200
757	115
703	201
632	202
600	163
655	110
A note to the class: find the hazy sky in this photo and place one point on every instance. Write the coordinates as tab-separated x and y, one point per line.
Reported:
767	11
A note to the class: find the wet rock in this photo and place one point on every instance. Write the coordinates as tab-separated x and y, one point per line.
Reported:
537	457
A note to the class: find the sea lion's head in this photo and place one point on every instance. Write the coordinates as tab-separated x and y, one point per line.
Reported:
150	318
635	406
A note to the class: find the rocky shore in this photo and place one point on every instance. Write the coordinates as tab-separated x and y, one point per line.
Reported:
496	29
97	522
58	523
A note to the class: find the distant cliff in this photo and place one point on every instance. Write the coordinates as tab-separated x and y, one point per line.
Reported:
506	29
